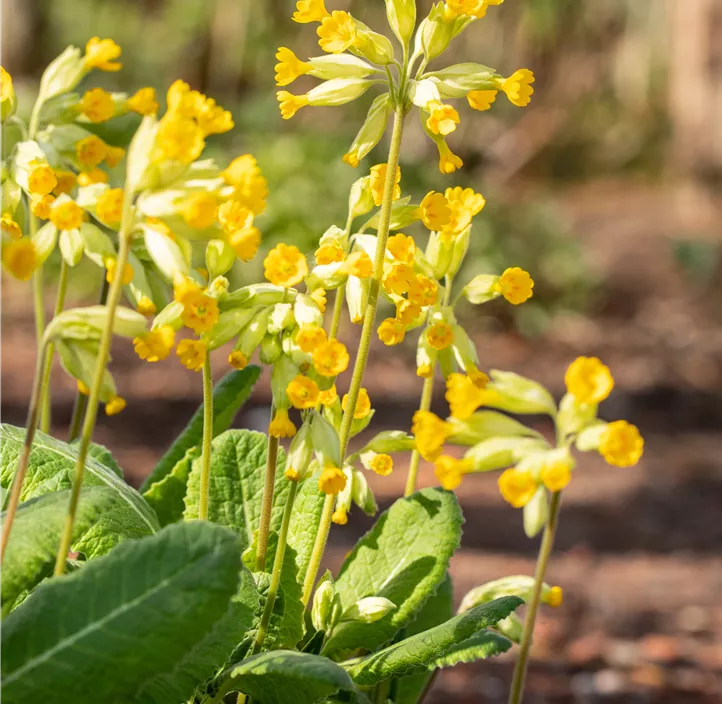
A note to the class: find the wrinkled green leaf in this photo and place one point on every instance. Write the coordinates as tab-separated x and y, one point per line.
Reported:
229	395
307	511
403	558
439	646
166	497
51	467
104	456
101	633
482	645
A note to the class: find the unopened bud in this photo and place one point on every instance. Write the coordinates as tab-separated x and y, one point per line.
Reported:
437	31
458	80
322	607
536	513
220	257
165	253
362	495
369	135
270	349
338	91
401	15
368	610
62	74
44	241
517	394
325	441
372	46
300	452
230	323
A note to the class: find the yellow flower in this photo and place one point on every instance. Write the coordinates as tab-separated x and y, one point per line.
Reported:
41	180
40	206
6	86
382	464
155	345
251	188
450	471
179	138
351	158
292	475
184	288
20	258
515	285
518	87
115	405
113	156
425	371
391	331
192	354
10	227
97	105
621	444
555	597
588	380
340	516
329	254
337	32
319	297
213	119
434	211
91	151
442	118
100	53
83	388
423	290
464	204
517	486
479	378
309	11
557	475
86	178
290	67
200	311
67	215
146	306
302	392
237	359
109	207
281	425
143	102
332	481
290	104
448	161
358	264
398	279
309	337
330	358
378	179
110	265
431	433
440	335
245	242
363	404
467	8
407	312
328	397
65	182
402	248
481	99
234	216
199	210
463	396
285	266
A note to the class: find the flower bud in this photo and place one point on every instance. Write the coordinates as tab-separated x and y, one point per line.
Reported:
258	295
362	495
300	453
306	312
230	323
165	253
26	156
253	333
437	31
369	135
9	100
79	359
401	15
70	244
62	74
270	349
220	257
590	438
498	452
360	199
574	416
438	254
325	441
326	276
459	248
357	296
281	318
510	627
339	66
323	602
372	46
458	80
170	315
368	610
344	498
402	215
97	246
519	585
536	513
44	242
482	288
338	91
284	370
388	441
517	394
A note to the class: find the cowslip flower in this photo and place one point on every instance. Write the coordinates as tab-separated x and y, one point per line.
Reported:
434	211
101	54
143	102
391	331
440	335
249	184
245	242
66	214
146	306
515	285
448	161
358	264
281	426
337	32
66	181
423	291
233	216
289	67
113	155
20	258
97	105
302	392
192	354
442	118
382	464
332	481
285	266
363	404
309	337
179	139
450	471
309	11
200	311
556	475
517	486
518	87
481	100
199	210
238	360
464	204
378	180
155	345
401	247
111	264
467	8
329	253
328	397
330	358
41	180
407	311
463	396
109	207
91	151
431	433
115	405
398	279
9	227
588	380
621	444
87	178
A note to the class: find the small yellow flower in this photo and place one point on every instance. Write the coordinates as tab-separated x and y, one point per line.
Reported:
10	227
407	312
440	335
463	396
285	266
467	8
517	486
281	425
481	99
86	178
477	376
184	288
378	180
113	156
450	471
358	264
425	371
423	290
115	405
442	118
65	182
97	105
83	388
251	188
40	206
237	359
391	331
621	444
234	216
351	158
110	265
146	306
302	392
382	464
330	358
292	475
199	210
431	433
200	311
310	337
555	597
290	67
340	516
91	151
448	161
245	242
363	404
100	54
179	138
6	86
309	11
515	285
329	254
588	380
518	87
143	102
192	354
557	475
402	248
337	32
155	345
332	481
464	204
319	297
328	397
434	211
213	119
109	207
20	258
398	279
67	215
290	104
41	180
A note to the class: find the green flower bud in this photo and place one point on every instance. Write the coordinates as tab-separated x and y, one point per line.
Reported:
323	603
401	15
166	253
79	360
458	80
536	513
284	371
270	350
25	156
220	257
402	215
62	74
519	585
511	628
590	438
459	248
482	288
44	241
338	91
141	147
326	276
574	416
437	31
357	295
368	610
88	323
170	315
253	333
258	295
325	441
362	495
369	135
70	244
11	194
438	254
97	246
360	199
230	323
371	45
339	66
300	453
517	394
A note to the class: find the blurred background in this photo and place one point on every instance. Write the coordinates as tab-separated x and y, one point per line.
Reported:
607	188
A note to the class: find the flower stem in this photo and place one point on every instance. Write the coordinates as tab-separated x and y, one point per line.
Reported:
364	344
116	290
424	405
269	486
207	438
545	551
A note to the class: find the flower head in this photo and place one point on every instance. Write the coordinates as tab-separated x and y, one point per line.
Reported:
423	290
281	425
449	471
100	54
41	180
179	138
66	214
199	210
66	181
110	265
407	311
192	354
20	258
245	242
309	11
200	311
378	181
518	87
481	99
319	297
109	207
382	464
97	105
143	102
310	337
115	405
328	397
10	227
402	248
431	433
448	161
289	67
517	486
113	155
398	278
233	216
515	285
290	104
588	380
146	306
440	335
442	118
556	475
358	264
285	266
621	444
91	151
40	206
302	392
467	8
155	345
463	396
363	404
391	331
340	516
434	211
87	178
464	204
250	186
332	481
337	32
330	358
329	254
237	359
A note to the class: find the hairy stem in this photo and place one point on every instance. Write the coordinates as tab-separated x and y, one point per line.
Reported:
424	405
207	438
532	606
319	546
267	501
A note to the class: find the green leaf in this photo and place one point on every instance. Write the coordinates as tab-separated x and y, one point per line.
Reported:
101	633
482	645
166	497
51	468
307	511
288	677
404	558
238	467
36	535
428	650
231	392
103	455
